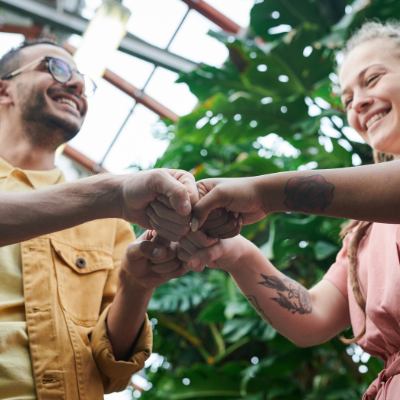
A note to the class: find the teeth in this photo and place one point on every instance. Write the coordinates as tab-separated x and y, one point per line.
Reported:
375	118
67	101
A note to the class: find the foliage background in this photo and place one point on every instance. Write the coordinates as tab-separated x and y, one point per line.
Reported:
280	87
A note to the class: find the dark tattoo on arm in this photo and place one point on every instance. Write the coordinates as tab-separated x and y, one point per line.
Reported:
253	301
309	194
292	295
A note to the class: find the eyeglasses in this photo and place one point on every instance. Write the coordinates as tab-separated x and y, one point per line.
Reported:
60	71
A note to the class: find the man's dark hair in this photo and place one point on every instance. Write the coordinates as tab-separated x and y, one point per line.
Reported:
12	60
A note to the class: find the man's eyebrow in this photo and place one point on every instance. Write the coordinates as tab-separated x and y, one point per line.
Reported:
362	72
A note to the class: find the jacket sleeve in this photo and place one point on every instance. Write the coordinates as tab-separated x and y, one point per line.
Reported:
116	374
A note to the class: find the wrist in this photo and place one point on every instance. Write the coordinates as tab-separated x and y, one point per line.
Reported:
128	284
242	247
246	264
104	195
271	191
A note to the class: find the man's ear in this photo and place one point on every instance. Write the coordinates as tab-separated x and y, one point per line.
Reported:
5	94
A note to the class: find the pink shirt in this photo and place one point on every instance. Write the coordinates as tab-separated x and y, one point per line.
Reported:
379	276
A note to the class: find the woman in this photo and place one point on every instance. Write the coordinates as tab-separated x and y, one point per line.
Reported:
362	287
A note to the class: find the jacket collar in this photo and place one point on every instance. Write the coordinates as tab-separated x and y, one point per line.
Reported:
38	179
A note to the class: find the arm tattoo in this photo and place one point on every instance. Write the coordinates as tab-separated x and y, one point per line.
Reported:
309	194
253	301
292	295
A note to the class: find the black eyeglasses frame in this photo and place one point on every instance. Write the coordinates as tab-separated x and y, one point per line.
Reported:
48	60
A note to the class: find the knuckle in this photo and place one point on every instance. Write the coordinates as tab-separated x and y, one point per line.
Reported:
174	237
224	218
131	249
143	246
218	212
161	172
204	242
136	249
182	254
183	242
183	229
210	255
231	224
158	175
210	241
185	265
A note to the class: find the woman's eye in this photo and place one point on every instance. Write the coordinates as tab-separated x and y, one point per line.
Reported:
370	80
347	103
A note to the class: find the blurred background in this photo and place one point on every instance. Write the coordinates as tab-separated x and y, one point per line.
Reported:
219	88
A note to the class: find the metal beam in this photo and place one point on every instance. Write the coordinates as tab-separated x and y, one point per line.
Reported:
82	160
71	23
30	32
213	15
133	91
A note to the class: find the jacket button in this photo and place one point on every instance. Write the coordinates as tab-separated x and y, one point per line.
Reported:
80	262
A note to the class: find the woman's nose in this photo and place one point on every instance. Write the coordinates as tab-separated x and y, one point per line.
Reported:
362	102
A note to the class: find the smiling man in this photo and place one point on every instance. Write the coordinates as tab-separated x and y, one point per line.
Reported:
74	288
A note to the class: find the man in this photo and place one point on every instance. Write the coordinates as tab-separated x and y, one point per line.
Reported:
72	302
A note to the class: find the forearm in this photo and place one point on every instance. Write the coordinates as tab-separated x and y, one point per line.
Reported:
126	317
38	212
366	193
305	317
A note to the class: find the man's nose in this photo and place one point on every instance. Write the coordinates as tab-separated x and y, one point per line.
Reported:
77	83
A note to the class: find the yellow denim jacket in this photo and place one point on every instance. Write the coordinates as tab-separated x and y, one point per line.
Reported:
70	279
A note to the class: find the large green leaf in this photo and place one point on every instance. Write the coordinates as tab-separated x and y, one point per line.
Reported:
272	13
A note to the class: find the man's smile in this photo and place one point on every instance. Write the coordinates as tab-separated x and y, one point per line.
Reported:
67	101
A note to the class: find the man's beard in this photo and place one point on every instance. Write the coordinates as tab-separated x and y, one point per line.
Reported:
43	129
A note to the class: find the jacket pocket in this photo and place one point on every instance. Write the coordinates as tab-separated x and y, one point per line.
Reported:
82	273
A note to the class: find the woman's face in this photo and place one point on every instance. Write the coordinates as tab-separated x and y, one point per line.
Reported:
370	83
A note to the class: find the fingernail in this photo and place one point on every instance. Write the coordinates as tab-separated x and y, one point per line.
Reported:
194	224
186	207
195	263
157	252
240	220
236	214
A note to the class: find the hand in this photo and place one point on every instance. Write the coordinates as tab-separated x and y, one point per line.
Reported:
222	224
240	195
191	244
196	250
166	221
139	189
172	226
149	262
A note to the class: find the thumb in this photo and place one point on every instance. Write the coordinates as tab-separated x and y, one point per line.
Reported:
144	249
176	192
211	201
188	180
205	256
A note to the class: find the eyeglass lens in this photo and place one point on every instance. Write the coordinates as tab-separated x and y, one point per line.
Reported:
60	70
62	73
